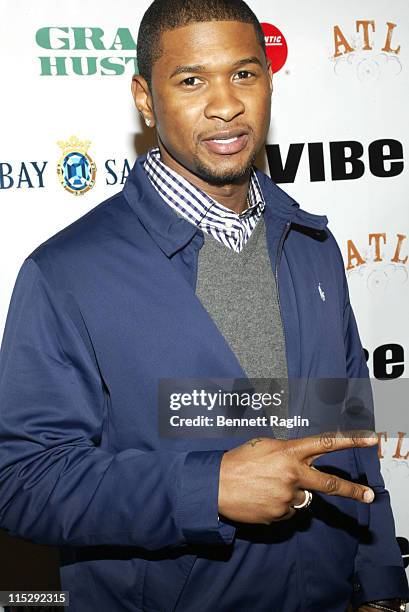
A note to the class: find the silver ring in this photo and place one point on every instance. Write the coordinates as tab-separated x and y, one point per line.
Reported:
306	502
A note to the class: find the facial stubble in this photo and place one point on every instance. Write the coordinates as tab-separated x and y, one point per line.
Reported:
228	177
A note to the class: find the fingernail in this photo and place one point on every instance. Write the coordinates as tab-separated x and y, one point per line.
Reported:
369	496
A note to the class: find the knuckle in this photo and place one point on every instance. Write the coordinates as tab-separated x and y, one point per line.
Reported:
327	441
289	450
331	485
290	475
287	497
281	509
356	492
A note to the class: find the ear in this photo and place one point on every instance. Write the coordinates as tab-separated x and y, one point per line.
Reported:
143	99
270	75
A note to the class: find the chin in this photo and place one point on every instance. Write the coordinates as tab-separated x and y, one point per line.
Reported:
222	176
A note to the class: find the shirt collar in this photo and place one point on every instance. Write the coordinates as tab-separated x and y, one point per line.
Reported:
193	203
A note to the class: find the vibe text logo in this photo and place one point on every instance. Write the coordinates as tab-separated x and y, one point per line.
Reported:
385	160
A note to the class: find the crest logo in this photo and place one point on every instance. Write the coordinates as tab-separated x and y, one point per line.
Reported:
76	170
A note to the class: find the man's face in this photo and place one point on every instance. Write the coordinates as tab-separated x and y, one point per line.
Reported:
211	94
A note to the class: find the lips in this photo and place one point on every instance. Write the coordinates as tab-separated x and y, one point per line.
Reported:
226	142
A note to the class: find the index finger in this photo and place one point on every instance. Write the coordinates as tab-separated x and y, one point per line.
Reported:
329	441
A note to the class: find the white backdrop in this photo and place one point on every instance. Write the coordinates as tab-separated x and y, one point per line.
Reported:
355	90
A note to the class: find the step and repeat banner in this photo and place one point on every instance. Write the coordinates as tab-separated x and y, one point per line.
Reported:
337	144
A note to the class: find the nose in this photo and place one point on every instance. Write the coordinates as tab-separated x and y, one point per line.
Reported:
223	103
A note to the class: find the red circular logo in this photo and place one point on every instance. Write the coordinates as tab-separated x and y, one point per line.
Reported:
276	46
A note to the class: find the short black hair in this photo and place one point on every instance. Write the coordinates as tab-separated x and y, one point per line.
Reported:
163	15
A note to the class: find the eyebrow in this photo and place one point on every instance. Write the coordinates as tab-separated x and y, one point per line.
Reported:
202	68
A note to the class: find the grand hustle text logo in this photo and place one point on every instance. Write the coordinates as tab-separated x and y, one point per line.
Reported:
369	50
85	51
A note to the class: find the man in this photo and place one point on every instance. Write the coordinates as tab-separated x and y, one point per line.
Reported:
200	268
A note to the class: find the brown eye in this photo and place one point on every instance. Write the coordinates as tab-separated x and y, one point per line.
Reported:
244	74
190	81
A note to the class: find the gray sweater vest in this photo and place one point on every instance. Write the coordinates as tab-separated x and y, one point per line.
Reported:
239	292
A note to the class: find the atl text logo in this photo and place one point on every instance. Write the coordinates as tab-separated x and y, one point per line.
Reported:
369	51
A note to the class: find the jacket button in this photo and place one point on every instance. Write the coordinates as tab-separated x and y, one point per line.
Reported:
357	586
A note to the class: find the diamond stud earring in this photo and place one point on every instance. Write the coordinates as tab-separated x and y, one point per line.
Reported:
148	122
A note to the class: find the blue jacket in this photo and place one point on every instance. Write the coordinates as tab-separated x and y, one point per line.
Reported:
99	312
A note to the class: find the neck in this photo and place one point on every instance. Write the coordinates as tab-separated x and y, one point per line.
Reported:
232	195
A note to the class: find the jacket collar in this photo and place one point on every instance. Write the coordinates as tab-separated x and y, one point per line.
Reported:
282	205
172	233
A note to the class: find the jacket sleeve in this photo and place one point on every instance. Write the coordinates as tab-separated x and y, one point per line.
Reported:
379	571
58	485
